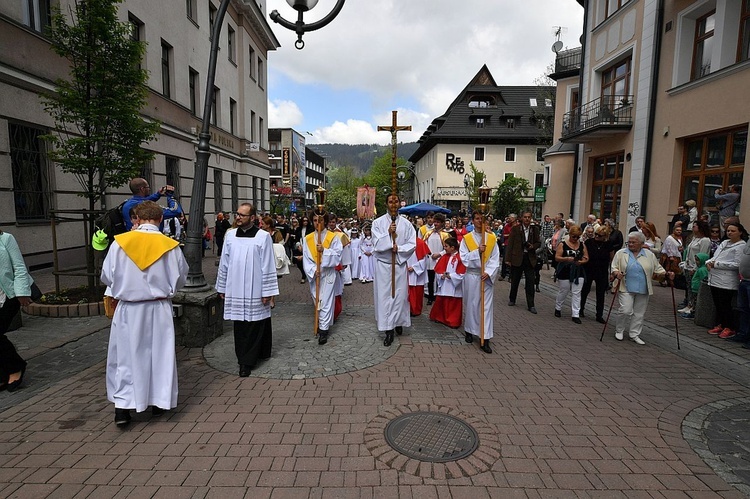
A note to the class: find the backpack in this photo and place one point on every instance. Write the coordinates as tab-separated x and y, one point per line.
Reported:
112	222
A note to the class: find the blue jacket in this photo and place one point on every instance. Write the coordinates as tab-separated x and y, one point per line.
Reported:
172	211
14	277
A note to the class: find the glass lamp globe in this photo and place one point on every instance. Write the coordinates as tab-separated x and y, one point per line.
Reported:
302	5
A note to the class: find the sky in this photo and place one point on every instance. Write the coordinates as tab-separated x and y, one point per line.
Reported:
412	56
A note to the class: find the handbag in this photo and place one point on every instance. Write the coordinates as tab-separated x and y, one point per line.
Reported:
36	293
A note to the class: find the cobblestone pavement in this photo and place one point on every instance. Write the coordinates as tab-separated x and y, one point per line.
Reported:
569	416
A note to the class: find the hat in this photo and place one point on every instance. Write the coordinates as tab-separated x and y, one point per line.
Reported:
99	240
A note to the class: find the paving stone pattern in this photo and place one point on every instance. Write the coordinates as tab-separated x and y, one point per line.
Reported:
572	417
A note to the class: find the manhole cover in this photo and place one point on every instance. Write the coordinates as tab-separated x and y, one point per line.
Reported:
431	436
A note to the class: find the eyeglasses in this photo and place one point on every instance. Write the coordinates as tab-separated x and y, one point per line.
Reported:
575	237
238	214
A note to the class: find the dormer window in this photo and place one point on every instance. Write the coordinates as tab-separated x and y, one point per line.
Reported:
532	102
510	122
481	102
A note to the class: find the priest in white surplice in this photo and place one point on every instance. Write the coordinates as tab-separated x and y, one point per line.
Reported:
324	245
472	252
247	281
143	270
392	313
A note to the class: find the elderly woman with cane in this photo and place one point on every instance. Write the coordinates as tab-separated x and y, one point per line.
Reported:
635	266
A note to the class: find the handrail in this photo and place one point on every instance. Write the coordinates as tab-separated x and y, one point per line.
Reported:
607	110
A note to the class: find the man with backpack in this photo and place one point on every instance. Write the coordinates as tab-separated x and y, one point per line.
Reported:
142	192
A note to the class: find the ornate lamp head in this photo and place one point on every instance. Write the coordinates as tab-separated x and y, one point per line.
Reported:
484	198
320	200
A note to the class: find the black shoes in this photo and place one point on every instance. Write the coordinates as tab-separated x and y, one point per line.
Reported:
322	337
429	302
388	338
244	371
511	303
601	320
536	288
581	313
122	417
532	310
15	385
156	411
399	330
486	347
577	320
558	313
468	337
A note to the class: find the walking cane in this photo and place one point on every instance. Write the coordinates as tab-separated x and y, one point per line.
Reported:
674	310
611	306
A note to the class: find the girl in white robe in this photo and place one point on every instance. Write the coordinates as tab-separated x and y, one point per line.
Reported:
366	263
354	244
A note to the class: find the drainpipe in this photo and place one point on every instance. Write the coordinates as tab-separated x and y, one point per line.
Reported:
581	97
652	105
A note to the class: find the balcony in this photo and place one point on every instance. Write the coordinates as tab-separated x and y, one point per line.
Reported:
568	60
603	117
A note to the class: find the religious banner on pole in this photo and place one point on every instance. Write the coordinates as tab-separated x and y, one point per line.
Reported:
366	202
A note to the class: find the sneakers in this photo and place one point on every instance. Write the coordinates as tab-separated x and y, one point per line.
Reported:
718	329
558	313
618	336
637	341
727	333
688	315
684	310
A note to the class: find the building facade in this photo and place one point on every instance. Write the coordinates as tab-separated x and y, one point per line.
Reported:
498	129
658	114
178	37
296	171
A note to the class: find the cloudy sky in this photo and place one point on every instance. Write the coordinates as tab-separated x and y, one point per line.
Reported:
413	56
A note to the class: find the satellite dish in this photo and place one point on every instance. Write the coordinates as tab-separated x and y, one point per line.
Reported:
557	46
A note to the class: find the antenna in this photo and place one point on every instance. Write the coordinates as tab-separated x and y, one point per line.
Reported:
558	31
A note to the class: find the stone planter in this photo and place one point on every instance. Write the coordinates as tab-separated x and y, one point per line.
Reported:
70	310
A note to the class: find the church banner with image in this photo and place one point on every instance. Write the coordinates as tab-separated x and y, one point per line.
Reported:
366	202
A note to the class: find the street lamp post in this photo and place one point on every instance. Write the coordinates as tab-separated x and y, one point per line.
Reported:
401	175
299	27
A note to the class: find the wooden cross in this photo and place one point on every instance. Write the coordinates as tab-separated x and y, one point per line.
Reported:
394	129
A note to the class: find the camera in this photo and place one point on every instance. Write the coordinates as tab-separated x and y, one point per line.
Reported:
169	192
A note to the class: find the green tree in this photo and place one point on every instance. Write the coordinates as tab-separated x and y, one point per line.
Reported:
99	129
509	196
342	201
543	116
477	180
379	176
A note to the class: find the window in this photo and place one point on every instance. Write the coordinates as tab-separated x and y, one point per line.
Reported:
193	83
173	174
711	162
548	102
218	191
547	173
236	191
261	73
136	31
166	61
481	102
251	62
613	6
231	44
215	107
607	186
480	122
479	154
508	175
255	195
211	18
616	82
703	45
252	127
191	7
743	52
232	116
510	122
532	102
260	131
147	171
510	154
539	179
28	161
37	14
540	153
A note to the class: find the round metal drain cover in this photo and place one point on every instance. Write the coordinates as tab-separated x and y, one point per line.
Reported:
431	436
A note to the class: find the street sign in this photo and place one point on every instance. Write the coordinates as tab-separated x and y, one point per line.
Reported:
540	194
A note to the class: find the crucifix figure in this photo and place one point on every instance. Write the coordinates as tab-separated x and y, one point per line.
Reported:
394	129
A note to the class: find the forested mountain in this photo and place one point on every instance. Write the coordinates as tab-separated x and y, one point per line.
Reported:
359	156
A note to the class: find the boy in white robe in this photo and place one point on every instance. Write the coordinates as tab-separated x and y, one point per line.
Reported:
143	270
247	282
326	247
472	252
392	312
354	248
